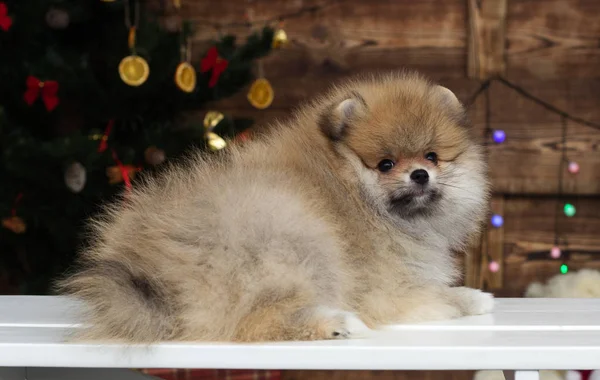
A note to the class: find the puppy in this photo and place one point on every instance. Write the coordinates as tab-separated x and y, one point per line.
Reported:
349	210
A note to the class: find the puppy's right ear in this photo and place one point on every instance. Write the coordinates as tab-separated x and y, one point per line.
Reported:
337	117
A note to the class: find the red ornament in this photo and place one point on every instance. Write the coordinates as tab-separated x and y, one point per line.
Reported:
48	91
243	136
5	20
214	62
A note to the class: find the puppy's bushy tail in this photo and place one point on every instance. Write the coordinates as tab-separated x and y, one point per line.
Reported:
121	303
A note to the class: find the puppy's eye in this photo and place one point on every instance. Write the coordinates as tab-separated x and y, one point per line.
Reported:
385	165
432	156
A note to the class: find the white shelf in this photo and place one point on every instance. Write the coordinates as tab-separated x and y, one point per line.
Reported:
520	334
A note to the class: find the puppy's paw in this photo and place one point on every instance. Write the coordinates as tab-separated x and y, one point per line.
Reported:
473	301
338	324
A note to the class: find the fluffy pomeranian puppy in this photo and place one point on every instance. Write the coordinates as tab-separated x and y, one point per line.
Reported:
350	210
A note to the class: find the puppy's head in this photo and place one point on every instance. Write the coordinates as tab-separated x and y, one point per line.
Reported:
406	141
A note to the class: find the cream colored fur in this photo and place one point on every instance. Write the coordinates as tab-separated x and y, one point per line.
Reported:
297	235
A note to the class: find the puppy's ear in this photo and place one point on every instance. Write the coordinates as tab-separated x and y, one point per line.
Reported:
448	98
454	107
338	116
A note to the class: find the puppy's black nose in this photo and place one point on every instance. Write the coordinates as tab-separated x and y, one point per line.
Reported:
420	176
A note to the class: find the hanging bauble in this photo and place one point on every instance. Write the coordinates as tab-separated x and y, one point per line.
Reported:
185	77
215	142
116	174
261	93
14	224
280	39
57	18
133	69
154	156
172	23
75	177
212	119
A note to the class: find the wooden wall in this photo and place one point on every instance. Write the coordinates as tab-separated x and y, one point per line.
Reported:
550	48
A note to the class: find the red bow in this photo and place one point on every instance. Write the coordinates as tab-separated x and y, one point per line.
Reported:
48	89
5	20
213	61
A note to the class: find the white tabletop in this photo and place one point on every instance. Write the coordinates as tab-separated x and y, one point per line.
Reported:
520	334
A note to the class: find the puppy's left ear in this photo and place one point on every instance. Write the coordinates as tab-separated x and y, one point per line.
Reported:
448	98
337	118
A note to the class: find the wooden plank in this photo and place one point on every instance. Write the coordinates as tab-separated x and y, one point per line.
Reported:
553	39
291	92
529	234
472	267
530	225
349	36
494	248
528	162
331	41
523	274
487	42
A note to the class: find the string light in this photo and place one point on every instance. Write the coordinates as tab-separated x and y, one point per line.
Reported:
573	167
569	210
499	136
497	221
493	266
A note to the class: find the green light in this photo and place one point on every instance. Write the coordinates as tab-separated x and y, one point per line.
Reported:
564	269
569	210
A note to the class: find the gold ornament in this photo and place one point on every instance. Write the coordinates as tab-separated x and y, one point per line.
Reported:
280	39
185	77
215	142
154	156
212	119
133	69
261	93
15	224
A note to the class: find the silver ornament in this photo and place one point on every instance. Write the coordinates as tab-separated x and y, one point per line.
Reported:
75	177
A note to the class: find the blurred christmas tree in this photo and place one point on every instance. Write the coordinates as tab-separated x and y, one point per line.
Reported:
79	120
